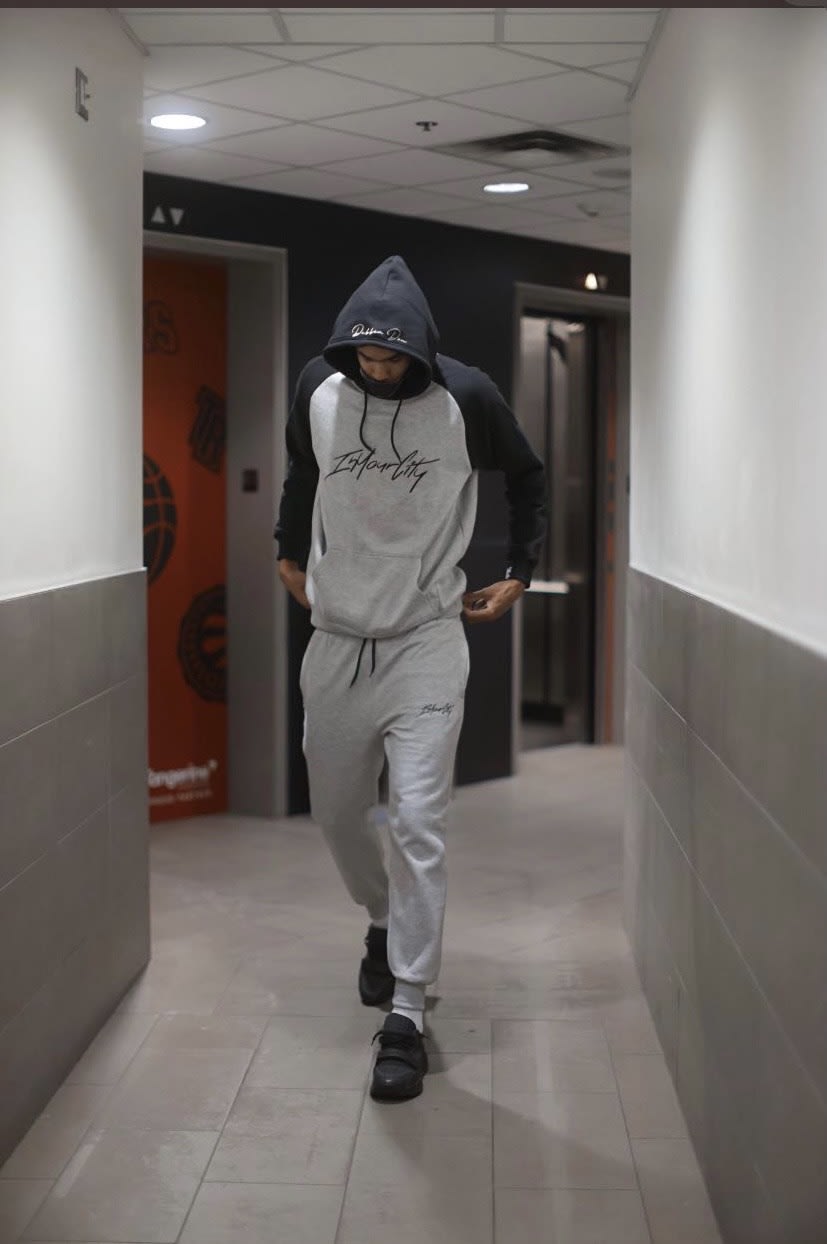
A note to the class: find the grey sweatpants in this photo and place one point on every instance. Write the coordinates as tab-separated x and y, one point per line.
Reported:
406	704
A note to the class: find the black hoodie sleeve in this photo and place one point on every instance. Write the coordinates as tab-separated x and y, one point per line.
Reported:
496	442
299	491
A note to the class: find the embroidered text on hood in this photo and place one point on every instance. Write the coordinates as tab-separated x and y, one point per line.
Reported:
389	310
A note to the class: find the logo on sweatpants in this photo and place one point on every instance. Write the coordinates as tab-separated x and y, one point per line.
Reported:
436	710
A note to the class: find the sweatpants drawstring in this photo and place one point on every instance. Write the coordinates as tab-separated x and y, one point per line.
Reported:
359	659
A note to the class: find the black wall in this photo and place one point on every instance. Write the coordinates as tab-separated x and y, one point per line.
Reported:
469	277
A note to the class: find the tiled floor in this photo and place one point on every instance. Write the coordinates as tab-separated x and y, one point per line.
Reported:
225	1102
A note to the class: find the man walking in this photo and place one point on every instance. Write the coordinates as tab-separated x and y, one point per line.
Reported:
384	438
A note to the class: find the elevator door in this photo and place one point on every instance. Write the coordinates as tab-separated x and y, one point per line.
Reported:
558	366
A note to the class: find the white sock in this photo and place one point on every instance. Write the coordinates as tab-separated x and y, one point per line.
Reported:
379	924
409	1000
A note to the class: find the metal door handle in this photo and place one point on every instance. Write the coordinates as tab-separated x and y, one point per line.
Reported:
550	587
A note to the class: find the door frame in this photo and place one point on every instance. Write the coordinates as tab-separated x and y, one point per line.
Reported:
276	710
609	688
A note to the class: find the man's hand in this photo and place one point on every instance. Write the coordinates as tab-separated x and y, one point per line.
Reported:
490	603
294	580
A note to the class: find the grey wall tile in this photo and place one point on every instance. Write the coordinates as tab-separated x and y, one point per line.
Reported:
644	611
661	984
673	894
772	901
793	784
128	937
28	800
725	902
658	743
128	837
28	944
640	721
79	656
26	684
672	672
791	1139
82	768
128	733
74	898
126	638
81	862
705	658
44	1040
669	777
746	716
721	1141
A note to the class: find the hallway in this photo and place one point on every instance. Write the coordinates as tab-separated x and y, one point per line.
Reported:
225	1102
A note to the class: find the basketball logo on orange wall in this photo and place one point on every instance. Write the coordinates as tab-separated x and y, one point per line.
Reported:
185	534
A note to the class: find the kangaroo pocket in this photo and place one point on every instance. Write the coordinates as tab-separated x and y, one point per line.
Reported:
368	595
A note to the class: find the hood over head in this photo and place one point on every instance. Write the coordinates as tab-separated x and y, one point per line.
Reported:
389	310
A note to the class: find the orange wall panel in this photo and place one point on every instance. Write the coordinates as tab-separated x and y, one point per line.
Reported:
185	366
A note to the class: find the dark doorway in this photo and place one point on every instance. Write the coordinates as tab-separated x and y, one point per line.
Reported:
559	368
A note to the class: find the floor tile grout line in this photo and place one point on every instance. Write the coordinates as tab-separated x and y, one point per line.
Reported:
638	1184
220	1135
346	1187
198	1187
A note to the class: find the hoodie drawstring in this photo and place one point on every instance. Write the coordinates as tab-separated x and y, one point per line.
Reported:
393	427
364	644
362	425
399	459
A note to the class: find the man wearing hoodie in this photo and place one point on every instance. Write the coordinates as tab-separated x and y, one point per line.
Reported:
385	438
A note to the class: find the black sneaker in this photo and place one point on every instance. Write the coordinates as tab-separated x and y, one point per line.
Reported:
376	982
402	1061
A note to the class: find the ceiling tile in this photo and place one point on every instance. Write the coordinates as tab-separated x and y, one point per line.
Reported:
605	203
221	122
434	70
608	129
494	217
554	100
471	188
300	51
306	144
581	55
583	234
309	183
554	26
203	165
391	25
177	68
301	93
197	26
407	201
398	123
622	71
414	168
602	174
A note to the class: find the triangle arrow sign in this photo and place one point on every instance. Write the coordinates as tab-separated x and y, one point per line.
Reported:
158	217
177	215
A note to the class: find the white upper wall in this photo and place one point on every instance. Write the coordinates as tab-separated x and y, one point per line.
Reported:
70	312
729	314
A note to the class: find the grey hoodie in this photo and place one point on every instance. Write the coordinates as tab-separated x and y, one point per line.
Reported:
380	498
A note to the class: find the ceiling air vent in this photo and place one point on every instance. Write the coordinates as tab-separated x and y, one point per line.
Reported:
531	148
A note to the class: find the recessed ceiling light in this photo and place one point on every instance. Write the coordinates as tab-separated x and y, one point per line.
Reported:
507	187
177	121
